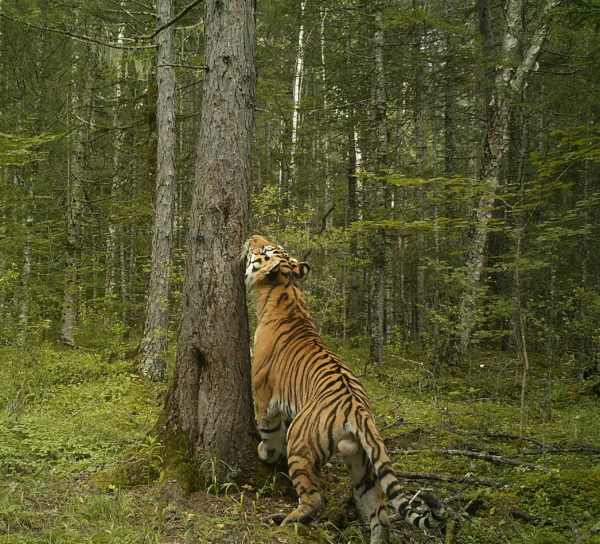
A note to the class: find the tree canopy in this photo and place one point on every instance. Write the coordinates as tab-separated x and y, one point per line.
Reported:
79	108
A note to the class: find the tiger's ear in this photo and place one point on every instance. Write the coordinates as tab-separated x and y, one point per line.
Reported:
304	269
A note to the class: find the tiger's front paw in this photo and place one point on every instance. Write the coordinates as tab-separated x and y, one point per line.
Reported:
268	454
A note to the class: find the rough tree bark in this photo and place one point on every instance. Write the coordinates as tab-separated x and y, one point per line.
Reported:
353	288
488	47
75	200
511	77
209	405
449	103
153	347
378	197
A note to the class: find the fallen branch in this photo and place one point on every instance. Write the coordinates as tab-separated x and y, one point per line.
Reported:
493	458
408	475
395	423
584	448
591	531
514	437
545	448
473	455
417	431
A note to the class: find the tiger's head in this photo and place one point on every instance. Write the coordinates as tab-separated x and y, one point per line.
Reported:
269	262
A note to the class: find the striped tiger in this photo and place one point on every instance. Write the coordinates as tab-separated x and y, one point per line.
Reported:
308	403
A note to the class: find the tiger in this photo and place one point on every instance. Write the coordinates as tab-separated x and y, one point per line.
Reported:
309	405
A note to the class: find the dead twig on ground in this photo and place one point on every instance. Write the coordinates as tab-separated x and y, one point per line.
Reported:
395	423
474	455
583	448
418	430
514	437
470	480
545	447
590	532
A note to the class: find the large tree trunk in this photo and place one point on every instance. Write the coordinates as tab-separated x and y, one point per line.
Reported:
154	342
209	404
511	77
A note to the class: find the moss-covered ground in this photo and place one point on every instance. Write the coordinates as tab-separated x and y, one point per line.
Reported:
79	461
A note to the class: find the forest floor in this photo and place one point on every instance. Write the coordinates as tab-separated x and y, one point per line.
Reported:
73	422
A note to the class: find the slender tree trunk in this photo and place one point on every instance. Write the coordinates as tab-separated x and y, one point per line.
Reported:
353	307
391	256
449	107
486	31
495	147
127	270
449	129
329	178
584	341
378	242
25	282
404	301
511	77
111	235
422	156
209	404
3	259
519	326
29	204
154	342
297	93
75	203
111	253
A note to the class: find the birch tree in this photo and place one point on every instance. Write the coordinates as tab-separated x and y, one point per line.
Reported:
512	73
297	92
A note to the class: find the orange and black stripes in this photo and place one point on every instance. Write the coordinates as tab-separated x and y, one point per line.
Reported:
296	377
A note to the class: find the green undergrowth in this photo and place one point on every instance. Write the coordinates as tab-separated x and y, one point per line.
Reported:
79	461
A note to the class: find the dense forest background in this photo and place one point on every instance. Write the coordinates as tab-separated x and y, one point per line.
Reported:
436	163
368	159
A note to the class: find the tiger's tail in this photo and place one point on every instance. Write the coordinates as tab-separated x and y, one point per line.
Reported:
372	443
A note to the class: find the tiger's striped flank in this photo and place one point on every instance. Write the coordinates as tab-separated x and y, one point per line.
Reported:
309	405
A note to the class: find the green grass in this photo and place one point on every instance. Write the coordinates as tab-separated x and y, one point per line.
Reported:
79	462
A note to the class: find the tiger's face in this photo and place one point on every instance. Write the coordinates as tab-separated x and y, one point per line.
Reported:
268	262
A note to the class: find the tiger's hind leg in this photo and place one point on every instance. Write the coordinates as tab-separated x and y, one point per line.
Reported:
367	489
303	465
272	429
